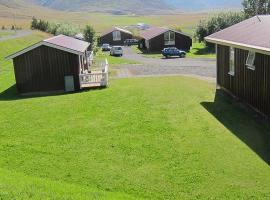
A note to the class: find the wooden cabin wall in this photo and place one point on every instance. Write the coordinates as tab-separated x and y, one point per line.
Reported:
108	39
251	86
182	42
44	69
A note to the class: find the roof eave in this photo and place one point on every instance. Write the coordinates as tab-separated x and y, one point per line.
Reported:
258	49
12	56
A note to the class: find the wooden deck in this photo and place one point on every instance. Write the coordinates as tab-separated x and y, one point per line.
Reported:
97	78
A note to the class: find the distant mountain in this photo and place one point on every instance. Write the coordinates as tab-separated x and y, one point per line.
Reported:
127	6
194	5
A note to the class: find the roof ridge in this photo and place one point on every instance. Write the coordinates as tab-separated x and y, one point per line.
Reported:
46	40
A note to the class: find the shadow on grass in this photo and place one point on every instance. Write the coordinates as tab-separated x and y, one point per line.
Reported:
11	94
203	51
244	123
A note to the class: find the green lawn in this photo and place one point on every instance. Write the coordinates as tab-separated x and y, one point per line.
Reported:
198	50
144	138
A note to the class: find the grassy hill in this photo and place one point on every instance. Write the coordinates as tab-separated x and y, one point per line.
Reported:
144	138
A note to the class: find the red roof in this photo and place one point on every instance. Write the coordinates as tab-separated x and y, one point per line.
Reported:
60	42
156	31
69	43
116	29
252	33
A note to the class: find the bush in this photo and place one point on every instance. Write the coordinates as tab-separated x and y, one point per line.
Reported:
3	28
217	23
67	29
54	28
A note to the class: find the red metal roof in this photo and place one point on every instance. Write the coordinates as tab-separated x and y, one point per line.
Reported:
69	43
252	33
116	29
156	31
153	32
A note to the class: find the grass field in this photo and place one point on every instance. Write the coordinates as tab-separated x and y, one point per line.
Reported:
145	138
100	21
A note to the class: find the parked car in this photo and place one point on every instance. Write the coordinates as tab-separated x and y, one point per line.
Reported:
129	42
106	47
173	51
116	51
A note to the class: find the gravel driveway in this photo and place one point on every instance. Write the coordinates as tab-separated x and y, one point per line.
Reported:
17	34
199	67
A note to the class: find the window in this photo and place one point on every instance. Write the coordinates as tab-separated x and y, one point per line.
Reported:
116	35
169	38
251	60
232	63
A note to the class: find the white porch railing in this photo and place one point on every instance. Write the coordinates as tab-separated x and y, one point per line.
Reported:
97	78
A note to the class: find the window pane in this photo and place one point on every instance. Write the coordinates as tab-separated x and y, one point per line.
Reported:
167	36
172	36
251	60
232	62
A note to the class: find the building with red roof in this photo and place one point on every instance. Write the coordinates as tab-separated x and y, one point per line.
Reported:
243	61
54	64
157	38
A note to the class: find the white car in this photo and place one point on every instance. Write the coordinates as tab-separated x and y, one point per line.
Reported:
116	51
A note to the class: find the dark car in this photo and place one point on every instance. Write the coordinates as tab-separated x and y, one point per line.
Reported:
173	51
130	42
106	47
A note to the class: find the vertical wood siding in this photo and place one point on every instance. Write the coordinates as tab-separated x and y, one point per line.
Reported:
252	86
181	42
108	39
44	69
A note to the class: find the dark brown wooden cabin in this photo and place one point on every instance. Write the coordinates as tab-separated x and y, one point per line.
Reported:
156	39
115	36
243	61
54	64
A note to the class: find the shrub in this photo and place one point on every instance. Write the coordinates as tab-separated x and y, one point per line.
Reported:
67	29
217	23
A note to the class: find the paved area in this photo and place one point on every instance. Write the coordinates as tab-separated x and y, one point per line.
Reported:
18	34
199	67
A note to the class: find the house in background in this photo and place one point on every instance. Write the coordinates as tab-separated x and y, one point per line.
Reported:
157	38
115	36
59	63
243	61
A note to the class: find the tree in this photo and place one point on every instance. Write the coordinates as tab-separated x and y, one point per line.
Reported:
34	23
217	23
90	36
256	7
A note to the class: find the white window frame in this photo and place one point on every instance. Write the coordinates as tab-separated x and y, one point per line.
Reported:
232	61
250	62
116	36
171	38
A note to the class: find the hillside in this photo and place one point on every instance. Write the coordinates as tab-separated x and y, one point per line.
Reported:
127	6
203	4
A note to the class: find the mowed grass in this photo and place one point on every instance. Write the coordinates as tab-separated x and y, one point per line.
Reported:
145	138
199	50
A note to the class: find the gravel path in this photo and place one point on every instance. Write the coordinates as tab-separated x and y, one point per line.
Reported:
198	67
18	34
